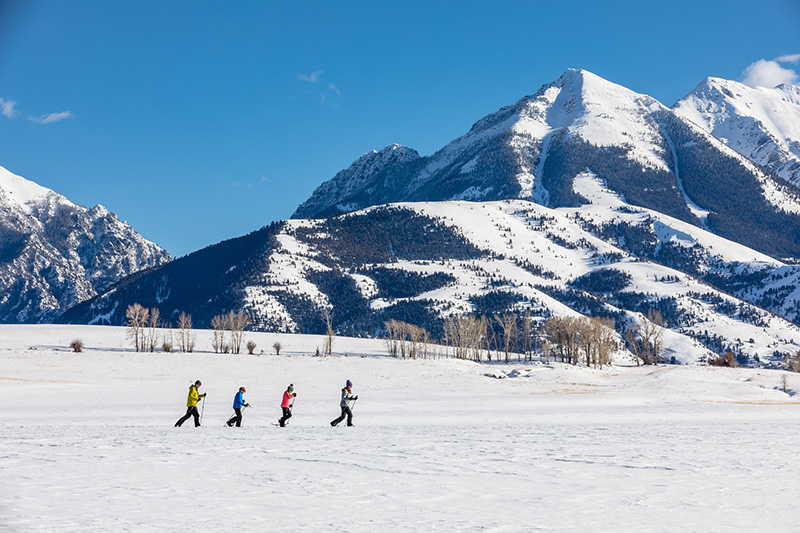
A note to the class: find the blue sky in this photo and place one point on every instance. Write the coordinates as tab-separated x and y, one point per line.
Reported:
200	121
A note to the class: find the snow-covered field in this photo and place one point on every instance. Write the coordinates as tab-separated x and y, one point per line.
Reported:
87	442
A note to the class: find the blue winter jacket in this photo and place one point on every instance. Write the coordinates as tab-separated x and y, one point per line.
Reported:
238	400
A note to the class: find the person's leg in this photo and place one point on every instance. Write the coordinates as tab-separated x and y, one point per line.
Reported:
184	418
238	417
341	417
349	416
287	414
196	415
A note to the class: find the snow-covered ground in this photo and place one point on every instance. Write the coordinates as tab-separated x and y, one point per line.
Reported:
87	442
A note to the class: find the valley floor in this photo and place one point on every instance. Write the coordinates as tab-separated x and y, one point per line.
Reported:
87	442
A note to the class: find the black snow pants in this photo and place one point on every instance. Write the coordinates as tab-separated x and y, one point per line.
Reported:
287	414
345	412
237	418
190	411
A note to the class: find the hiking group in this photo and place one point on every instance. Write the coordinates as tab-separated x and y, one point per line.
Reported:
239	404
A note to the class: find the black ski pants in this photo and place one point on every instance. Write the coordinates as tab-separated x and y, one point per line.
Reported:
237	418
346	412
287	414
190	411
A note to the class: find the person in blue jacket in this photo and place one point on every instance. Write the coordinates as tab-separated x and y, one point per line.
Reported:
238	405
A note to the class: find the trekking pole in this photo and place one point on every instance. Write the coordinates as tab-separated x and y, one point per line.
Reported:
354	404
202	409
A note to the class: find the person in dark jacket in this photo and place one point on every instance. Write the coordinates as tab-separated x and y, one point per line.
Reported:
238	405
347	398
191	405
286	404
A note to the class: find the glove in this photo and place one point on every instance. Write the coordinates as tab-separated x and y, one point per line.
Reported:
247	405
356	398
204	394
294	395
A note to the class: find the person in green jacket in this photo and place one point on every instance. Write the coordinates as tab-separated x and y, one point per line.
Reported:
191	404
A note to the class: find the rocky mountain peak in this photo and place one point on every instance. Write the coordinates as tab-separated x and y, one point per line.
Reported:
55	254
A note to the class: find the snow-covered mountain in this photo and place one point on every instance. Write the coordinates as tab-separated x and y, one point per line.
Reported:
583	199
534	149
363	177
423	262
760	123
55	254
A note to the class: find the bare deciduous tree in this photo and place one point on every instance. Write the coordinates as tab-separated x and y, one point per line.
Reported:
392	338
792	362
327	348
562	333
468	336
151	331
406	340
572	337
236	323
508	323
527	327
645	339
634	343
187	338
218	325
277	347
136	318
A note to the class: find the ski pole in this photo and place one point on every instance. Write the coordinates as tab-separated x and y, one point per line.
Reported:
202	409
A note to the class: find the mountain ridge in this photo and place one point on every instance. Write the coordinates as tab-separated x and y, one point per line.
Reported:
761	123
535	147
55	253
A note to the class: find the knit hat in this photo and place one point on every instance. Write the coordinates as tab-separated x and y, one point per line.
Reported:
349	383
290	388
197	383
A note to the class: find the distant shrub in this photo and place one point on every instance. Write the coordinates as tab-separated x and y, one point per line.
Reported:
166	346
277	347
251	346
726	359
76	345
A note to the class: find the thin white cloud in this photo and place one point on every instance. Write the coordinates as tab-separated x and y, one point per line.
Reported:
52	117
335	89
770	73
794	58
311	78
7	108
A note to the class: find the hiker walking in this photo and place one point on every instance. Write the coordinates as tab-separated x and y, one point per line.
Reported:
238	405
191	405
286	404
347	397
